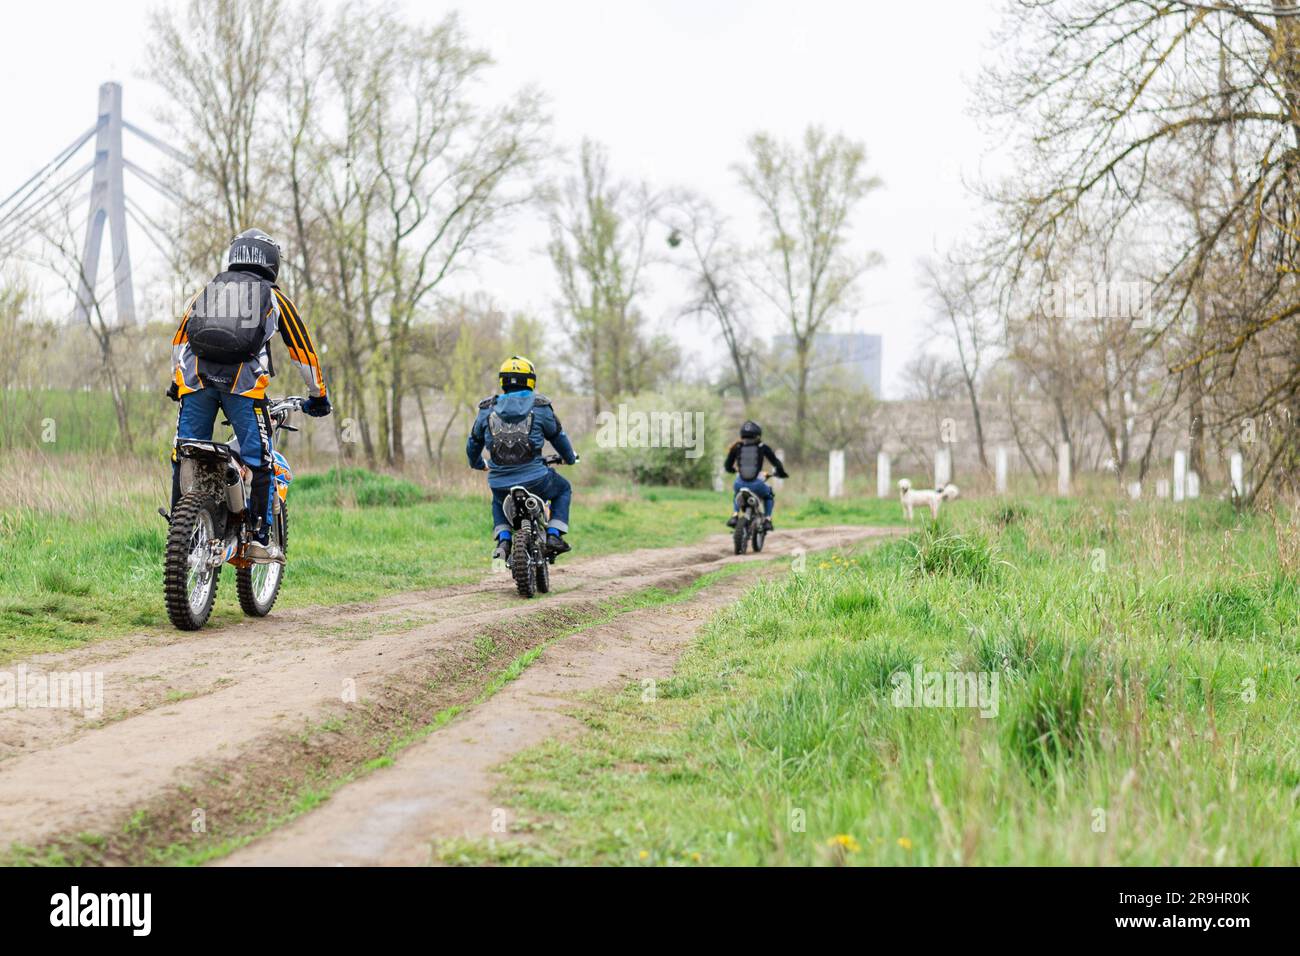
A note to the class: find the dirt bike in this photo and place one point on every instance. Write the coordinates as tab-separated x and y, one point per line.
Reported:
751	520
529	559
210	526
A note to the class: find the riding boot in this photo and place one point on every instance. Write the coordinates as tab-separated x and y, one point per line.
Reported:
555	543
259	549
176	485
257	506
502	551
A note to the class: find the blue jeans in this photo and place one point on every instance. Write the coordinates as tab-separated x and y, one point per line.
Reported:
553	489
197	417
760	488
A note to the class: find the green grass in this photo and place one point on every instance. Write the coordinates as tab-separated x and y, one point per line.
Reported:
91	567
1146	656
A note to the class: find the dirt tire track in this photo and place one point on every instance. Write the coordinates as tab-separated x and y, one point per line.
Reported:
176	704
442	787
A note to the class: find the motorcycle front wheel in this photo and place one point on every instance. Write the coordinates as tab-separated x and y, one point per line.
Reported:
543	570
189	576
259	584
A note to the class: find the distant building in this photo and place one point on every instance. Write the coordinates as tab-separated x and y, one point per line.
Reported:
855	355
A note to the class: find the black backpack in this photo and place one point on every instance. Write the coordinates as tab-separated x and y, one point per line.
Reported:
512	442
751	461
227	322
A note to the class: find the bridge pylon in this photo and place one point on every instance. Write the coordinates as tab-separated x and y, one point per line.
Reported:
107	208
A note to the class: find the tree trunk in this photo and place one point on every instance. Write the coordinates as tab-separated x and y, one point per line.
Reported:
802	346
979	424
424	424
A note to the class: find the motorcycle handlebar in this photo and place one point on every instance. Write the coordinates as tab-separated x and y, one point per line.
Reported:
557	460
291	403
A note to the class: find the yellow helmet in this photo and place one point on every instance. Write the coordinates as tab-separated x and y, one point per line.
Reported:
516	373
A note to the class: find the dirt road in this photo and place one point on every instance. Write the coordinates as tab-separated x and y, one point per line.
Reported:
226	731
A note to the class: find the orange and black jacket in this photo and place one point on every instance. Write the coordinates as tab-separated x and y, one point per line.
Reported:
192	373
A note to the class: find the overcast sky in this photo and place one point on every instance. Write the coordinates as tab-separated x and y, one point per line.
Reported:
672	87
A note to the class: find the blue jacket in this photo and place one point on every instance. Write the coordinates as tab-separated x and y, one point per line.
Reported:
514	406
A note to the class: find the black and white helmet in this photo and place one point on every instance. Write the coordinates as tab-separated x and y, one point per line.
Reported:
750	430
254	251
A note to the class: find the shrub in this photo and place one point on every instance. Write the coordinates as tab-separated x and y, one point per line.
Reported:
367	489
624	433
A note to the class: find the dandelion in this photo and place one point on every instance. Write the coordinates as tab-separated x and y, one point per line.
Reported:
905	843
844	842
644	855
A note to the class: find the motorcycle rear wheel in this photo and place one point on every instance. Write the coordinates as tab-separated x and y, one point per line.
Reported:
740	536
521	563
189	583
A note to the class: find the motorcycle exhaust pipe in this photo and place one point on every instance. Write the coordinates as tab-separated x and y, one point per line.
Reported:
235	491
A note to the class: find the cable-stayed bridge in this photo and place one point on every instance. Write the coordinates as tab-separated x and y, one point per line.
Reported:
30	212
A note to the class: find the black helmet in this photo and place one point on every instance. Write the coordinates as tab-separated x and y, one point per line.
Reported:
254	251
750	430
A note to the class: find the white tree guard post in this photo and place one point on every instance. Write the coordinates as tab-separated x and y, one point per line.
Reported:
942	467
1180	475
837	473
1235	470
882	475
1162	487
1000	470
1135	490
1193	485
1063	469
776	483
719	480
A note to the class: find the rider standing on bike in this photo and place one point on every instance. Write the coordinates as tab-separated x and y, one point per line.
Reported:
221	360
513	427
745	459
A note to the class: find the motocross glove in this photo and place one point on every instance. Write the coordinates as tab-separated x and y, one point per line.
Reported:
174	392
318	406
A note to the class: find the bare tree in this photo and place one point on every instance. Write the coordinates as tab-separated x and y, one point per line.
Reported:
963	316
715	269
217	62
805	267
1111	104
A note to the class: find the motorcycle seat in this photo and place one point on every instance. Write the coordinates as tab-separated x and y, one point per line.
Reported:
194	448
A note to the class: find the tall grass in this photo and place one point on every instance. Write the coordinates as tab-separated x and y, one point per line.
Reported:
1146	659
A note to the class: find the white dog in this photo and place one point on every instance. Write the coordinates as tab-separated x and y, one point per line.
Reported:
933	499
